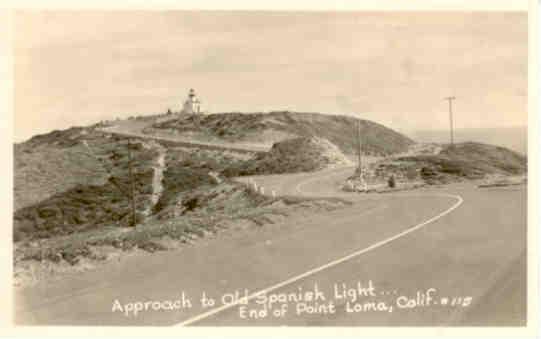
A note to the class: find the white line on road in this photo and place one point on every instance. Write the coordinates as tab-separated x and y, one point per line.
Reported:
298	187
328	265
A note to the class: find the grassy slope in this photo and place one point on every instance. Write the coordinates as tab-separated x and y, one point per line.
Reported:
219	206
70	197
255	127
467	160
69	219
82	205
54	162
290	156
43	171
75	192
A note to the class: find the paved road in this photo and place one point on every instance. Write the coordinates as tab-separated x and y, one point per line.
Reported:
448	243
135	129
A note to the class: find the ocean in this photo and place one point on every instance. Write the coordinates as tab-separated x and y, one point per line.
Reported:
514	138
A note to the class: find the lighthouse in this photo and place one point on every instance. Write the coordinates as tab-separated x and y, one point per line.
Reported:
192	105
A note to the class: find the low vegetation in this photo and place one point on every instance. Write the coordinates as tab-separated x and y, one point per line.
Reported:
467	161
269	128
88	190
196	213
461	162
72	220
72	187
291	156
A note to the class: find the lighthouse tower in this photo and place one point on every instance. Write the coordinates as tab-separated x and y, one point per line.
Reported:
192	105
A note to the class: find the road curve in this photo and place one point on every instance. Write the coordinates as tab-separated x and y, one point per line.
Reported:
403	243
318	269
512	275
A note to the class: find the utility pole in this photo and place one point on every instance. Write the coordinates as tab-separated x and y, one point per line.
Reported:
450	99
130	195
132	186
360	147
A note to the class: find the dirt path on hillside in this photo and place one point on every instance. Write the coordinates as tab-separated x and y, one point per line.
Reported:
157	186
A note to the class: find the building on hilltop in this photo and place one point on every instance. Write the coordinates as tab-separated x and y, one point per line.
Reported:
192	105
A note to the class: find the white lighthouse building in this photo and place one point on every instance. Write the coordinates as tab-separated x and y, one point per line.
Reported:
192	105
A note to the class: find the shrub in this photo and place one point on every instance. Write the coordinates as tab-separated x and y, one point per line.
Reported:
391	182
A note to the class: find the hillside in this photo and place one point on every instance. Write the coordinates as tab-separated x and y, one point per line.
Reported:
77	179
469	160
291	156
70	186
269	128
57	161
72	194
463	161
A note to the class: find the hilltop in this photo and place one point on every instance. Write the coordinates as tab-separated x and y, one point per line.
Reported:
471	161
273	127
468	160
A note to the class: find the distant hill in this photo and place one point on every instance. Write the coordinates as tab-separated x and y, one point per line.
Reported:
269	128
474	157
514	138
468	160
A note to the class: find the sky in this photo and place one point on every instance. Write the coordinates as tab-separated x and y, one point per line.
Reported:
74	68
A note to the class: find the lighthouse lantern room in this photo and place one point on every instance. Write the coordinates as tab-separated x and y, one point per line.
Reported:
192	105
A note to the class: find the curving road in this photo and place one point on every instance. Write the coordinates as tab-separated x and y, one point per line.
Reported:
449	243
130	128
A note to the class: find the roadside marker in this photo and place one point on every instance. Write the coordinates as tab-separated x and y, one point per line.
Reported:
273	194
262	190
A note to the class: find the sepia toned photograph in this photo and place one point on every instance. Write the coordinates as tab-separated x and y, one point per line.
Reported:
217	168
